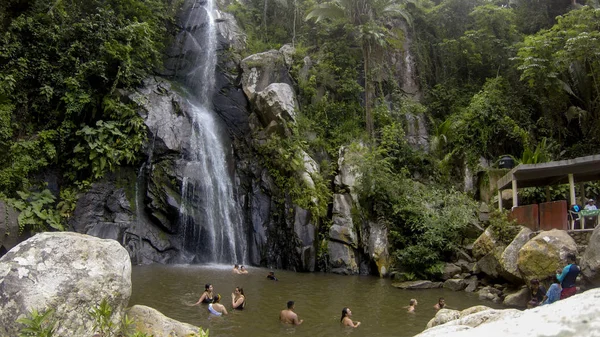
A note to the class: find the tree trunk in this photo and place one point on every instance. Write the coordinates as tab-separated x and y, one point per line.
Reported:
368	113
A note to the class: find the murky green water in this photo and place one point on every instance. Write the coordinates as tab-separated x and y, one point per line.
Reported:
319	301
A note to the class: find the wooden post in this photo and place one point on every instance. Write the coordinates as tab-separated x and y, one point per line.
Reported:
500	200
571	189
514	192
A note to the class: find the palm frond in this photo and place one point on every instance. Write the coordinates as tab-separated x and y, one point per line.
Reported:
326	11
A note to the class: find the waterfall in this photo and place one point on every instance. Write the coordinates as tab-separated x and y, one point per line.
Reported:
210	220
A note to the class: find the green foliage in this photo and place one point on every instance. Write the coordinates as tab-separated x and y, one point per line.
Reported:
62	64
296	174
37	324
503	228
425	223
37	211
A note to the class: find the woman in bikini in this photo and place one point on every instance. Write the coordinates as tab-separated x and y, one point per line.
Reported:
217	308
207	295
238	300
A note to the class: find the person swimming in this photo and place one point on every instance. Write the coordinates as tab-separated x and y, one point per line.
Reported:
412	305
346	320
236	269
271	276
243	270
217	308
441	304
207	295
238	299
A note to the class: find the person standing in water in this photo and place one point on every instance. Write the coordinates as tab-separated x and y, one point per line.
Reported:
288	316
346	320
441	304
238	299
236	269
271	276
207	295
243	270
217	308
412	305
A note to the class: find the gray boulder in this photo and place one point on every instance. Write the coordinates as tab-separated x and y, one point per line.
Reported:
541	256
509	269
68	272
153	323
574	316
443	316
518	299
342	258
276	104
450	269
306	232
455	284
376	236
261	70
419	284
590	262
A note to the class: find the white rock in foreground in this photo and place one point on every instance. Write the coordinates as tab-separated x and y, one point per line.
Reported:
576	316
67	272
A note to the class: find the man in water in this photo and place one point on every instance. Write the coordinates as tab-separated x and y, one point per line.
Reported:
568	276
271	276
236	269
288	316
441	304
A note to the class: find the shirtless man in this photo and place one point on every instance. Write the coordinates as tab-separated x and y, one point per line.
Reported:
441	304
412	304
236	269
288	316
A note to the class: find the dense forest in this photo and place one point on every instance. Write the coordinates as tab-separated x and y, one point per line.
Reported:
495	78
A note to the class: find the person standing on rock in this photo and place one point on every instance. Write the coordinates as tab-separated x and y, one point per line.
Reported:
568	276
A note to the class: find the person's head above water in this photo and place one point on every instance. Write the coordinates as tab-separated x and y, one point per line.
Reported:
235	266
345	313
208	287
413	302
290	305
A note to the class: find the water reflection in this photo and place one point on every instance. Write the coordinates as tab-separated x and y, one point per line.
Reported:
319	298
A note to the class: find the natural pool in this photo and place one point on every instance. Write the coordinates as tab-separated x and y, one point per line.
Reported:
319	301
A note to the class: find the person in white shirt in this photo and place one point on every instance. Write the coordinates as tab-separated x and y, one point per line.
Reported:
590	205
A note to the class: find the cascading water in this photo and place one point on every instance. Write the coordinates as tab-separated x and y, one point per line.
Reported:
210	220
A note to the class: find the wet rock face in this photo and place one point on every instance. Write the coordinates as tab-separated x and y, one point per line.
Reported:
68	272
9	228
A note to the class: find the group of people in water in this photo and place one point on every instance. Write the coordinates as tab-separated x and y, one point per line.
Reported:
563	285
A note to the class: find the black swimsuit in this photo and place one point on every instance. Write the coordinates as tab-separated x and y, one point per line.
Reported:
207	299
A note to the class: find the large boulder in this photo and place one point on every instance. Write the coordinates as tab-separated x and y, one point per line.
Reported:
342	229
450	269
376	238
590	262
419	284
489	264
153	323
276	103
508	260
541	256
443	316
67	272
518	299
485	244
261	70
342	258
455	284
574	316
10	234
